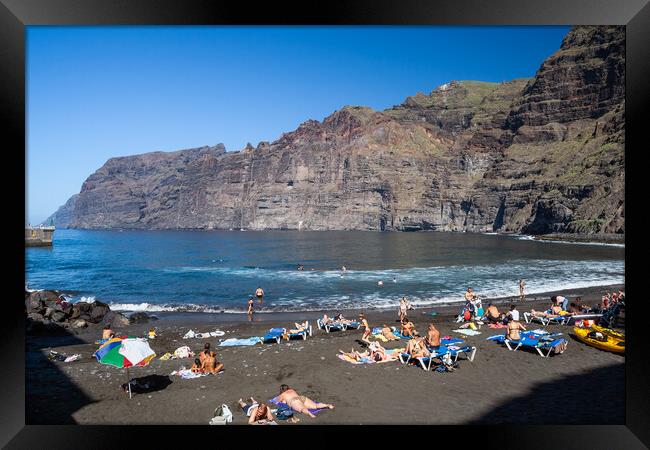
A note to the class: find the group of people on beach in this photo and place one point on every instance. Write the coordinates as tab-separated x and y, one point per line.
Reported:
250	306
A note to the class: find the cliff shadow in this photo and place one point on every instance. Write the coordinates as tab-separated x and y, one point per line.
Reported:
51	396
592	398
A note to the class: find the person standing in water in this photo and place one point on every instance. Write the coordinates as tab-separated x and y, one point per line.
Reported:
522	287
259	293
250	305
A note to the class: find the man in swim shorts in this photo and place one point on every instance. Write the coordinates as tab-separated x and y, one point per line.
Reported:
300	403
259	293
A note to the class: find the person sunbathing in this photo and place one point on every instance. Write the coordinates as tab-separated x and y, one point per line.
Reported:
512	332
326	320
107	332
356	355
340	319
417	348
300	327
388	333
300	403
433	337
259	414
377	352
197	367
552	313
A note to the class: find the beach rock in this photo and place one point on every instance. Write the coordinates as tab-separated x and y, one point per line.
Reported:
537	155
79	324
48	312
33	304
139	317
99	310
115	319
45	295
35	317
58	316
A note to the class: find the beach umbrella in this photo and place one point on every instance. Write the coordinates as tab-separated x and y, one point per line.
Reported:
125	352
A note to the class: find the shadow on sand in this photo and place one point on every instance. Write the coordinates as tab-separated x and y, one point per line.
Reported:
51	397
594	397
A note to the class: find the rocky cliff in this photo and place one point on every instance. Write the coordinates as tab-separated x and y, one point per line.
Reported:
536	155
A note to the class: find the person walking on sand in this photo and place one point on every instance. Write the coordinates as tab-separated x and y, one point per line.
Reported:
259	293
300	403
251	303
522	287
367	330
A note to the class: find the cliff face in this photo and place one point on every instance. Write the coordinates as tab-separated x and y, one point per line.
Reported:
535	155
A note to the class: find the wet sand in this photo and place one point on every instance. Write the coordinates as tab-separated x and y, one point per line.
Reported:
498	387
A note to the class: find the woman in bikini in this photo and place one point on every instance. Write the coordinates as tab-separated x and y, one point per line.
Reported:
408	329
388	333
554	312
300	403
512	332
197	367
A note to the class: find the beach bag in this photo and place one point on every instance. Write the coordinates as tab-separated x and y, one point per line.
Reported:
222	416
183	352
466	314
284	412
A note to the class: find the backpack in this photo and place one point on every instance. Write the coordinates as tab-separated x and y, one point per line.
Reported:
284	412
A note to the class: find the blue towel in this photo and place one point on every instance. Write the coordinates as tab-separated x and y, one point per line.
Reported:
233	341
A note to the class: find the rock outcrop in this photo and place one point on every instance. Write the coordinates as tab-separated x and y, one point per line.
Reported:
536	155
47	312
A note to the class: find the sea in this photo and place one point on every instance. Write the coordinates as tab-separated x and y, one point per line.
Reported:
216	271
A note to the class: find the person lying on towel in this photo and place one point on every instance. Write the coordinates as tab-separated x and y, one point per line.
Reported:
388	333
300	403
259	414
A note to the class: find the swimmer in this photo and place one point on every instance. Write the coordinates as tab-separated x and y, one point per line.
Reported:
380	283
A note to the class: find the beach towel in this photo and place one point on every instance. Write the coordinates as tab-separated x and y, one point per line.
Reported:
166	356
192	335
380	337
468	332
398	334
279	404
497	325
187	374
233	341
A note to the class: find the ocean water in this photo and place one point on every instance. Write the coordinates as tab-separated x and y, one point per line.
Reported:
217	270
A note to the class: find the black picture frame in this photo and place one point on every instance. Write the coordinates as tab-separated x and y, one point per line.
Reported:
16	14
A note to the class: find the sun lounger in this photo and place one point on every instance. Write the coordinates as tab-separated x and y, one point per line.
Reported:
544	344
352	325
547	320
274	335
425	361
582	317
302	334
332	326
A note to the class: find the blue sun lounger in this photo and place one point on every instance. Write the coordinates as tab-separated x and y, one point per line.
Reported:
352	325
544	344
425	361
547	320
334	326
274	334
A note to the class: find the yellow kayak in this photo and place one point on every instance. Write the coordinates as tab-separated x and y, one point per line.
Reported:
609	332
601	339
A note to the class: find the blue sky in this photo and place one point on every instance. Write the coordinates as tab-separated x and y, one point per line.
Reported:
98	92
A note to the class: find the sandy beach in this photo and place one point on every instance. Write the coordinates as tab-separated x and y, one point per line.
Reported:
498	387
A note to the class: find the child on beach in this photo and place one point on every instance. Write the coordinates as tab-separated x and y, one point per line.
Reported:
367	330
197	367
152	334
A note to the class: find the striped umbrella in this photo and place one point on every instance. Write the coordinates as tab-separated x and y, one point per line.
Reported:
123	352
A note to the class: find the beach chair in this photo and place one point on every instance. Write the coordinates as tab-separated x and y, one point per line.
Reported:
546	320
572	319
353	325
274	335
426	361
334	326
302	334
544	344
